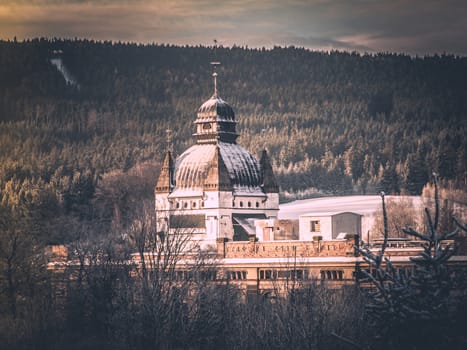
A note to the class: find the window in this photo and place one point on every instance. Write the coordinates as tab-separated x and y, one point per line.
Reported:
331	274
177	205
236	275
283	274
241	204
315	226
185	205
293	274
207	126
188	221
193	204
205	275
298	274
249	204
208	275
257	204
267	274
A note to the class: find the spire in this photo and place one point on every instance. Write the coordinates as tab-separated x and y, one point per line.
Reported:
214	76
269	180
165	180
217	178
215	120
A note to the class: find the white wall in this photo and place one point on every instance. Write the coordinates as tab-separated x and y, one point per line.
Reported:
346	222
305	232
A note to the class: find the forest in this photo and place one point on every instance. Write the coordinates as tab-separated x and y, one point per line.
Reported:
74	142
83	128
333	122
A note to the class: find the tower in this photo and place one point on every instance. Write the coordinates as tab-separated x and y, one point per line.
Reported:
216	188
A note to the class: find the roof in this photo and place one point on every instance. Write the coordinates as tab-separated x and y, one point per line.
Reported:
215	109
328	213
192	167
244	225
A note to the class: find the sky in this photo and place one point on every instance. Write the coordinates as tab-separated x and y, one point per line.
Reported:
416	27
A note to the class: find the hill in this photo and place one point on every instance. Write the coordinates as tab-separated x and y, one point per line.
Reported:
78	116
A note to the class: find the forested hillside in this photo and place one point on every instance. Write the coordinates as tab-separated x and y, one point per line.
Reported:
89	146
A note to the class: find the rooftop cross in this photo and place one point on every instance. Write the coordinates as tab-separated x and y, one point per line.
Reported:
168	134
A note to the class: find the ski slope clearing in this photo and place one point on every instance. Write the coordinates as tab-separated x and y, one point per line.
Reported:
364	205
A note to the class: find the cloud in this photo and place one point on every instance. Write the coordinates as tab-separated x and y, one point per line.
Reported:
365	25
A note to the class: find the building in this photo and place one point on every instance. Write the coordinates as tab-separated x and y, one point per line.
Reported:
225	200
215	189
329	226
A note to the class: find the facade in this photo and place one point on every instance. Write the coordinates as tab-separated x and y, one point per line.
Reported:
272	268
215	189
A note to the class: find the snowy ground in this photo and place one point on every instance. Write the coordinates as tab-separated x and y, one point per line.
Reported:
358	204
365	205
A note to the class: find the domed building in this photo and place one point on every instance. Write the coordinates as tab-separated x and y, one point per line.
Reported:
215	189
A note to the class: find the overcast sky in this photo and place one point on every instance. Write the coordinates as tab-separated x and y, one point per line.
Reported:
414	27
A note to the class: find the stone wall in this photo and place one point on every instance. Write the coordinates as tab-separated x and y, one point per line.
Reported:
335	248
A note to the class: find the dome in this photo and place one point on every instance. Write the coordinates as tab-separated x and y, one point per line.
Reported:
192	167
215	109
215	122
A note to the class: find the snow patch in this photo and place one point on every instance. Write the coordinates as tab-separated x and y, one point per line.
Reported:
364	205
58	63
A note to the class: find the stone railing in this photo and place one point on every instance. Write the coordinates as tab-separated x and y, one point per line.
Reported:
286	249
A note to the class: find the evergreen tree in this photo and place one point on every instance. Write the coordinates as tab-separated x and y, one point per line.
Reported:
419	308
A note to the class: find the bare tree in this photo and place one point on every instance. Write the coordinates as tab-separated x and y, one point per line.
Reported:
400	213
24	283
173	274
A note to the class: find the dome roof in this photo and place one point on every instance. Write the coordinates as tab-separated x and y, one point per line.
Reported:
192	166
215	109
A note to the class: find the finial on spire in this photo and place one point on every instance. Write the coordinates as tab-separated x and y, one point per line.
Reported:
214	64
168	139
214	75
